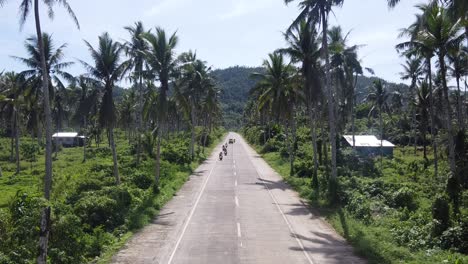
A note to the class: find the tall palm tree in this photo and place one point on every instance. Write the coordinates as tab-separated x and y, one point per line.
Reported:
25	10
88	101
318	11
277	91
56	72
378	97
422	104
458	66
135	49
413	70
161	60
107	69
441	33
304	47
10	105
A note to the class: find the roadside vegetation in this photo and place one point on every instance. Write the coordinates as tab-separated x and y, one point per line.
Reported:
409	208
137	145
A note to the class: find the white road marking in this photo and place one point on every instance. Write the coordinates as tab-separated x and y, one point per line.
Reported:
239	234
237	201
281	211
191	214
234	161
234	166
235	173
235	183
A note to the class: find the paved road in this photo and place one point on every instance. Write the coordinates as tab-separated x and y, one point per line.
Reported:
236	211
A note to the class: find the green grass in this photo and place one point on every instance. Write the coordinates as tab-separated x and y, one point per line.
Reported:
375	239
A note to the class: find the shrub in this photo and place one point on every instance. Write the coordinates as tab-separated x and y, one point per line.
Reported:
176	151
404	197
142	180
441	215
95	210
66	243
359	206
304	168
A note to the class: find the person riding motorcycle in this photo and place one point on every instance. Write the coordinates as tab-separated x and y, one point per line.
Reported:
221	155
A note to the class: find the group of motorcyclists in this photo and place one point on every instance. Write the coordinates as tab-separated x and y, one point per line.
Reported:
225	146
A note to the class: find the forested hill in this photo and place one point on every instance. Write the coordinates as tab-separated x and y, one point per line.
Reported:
236	82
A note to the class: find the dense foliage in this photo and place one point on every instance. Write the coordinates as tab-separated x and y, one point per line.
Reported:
91	214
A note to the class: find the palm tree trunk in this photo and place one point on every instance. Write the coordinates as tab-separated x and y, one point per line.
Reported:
293	133
192	131
45	218
313	130
85	125
158	161
331	103
448	119
114	154
353	126
17	154
381	138
432	109
12	141
461	121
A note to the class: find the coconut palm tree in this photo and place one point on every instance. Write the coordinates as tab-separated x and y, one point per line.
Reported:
88	101
162	61
135	49
413	70
378	97
422	104
10	105
458	66
107	69
277	91
441	33
318	11
25	10
304	47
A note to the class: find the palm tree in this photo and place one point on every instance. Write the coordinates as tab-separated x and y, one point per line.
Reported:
318	11
458	59
88	101
55	69
304	48
135	49
107	70
161	59
25	9
10	105
277	91
422	104
441	33
412	71
379	100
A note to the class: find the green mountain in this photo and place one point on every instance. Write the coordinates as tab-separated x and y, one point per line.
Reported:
236	82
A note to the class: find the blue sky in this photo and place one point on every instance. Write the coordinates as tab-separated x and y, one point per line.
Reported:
223	32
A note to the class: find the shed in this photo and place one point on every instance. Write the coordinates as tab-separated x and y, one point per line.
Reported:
370	145
68	139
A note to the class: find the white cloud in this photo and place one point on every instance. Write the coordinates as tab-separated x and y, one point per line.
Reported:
244	7
164	6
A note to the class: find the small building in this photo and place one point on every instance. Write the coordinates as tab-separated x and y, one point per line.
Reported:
370	145
68	139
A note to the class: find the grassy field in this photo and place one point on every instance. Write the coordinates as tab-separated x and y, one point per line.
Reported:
84	196
379	229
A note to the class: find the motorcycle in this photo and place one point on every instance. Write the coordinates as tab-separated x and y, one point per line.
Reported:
221	156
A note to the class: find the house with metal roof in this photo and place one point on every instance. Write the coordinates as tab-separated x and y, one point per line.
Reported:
369	145
68	139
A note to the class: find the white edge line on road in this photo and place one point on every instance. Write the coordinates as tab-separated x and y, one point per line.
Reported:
235	183
282	214
191	213
236	200
239	234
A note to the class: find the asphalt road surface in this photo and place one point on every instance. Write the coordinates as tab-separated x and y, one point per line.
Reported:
236	210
